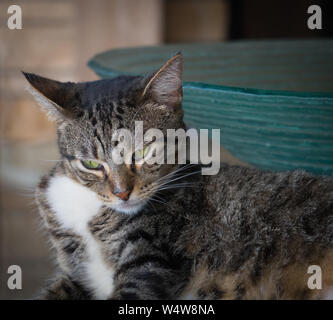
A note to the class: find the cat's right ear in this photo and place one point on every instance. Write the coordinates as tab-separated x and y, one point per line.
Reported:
165	85
54	97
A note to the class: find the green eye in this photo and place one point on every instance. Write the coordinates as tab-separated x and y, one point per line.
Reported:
91	164
139	154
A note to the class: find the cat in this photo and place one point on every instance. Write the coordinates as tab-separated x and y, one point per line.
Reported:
135	232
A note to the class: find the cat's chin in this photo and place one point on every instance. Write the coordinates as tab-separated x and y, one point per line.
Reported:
129	207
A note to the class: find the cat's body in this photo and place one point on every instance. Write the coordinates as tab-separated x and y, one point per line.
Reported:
254	239
109	254
241	234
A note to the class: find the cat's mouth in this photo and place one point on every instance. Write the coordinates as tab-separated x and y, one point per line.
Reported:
129	206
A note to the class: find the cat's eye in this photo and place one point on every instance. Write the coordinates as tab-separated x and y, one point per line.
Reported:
90	164
140	154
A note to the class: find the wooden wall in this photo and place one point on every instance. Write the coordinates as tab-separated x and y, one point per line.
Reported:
196	20
59	37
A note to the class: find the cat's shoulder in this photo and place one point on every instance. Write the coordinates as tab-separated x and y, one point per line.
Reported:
45	180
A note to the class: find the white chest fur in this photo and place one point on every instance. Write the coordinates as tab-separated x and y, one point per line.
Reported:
75	206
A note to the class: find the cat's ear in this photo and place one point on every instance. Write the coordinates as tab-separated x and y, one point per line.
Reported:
165	85
54	97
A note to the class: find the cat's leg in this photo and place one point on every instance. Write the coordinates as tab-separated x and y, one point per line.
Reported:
147	283
66	245
148	272
62	288
145	263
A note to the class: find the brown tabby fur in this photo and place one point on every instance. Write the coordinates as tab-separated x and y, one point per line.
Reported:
241	234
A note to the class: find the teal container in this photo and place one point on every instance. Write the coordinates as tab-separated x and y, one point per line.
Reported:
272	100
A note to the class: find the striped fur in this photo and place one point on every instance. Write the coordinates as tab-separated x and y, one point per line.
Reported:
242	234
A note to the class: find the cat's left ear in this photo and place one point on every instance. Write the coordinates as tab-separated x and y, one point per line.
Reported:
55	98
165	85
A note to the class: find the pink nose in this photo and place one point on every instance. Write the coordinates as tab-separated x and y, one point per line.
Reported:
123	195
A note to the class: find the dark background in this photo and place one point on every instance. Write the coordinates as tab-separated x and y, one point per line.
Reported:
260	19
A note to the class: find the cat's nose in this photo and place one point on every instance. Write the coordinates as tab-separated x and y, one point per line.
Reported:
123	195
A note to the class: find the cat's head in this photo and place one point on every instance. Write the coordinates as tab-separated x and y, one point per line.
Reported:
87	115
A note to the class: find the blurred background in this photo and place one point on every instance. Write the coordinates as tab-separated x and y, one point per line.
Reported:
57	40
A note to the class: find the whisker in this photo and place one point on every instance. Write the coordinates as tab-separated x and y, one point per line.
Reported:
160	198
180	184
171	178
177	187
181	177
150	203
152	199
171	173
177	171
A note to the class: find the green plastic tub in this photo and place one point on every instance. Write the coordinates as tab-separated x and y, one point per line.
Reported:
272	100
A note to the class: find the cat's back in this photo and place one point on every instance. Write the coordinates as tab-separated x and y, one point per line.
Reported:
262	205
290	193
258	232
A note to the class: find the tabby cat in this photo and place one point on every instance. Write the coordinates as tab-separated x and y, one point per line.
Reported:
165	231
